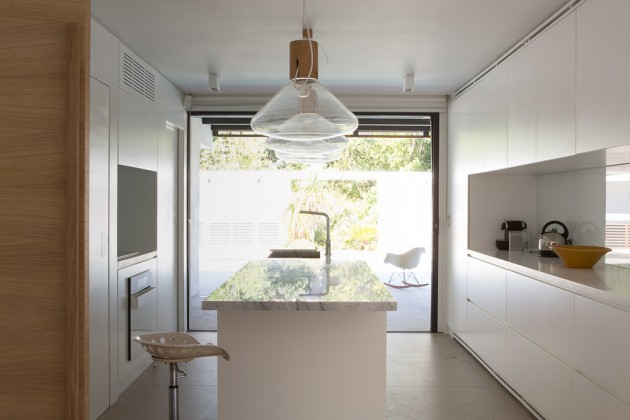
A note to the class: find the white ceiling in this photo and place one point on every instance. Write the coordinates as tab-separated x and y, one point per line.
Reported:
370	44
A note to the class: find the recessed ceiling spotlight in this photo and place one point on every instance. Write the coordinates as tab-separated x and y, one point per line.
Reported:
213	83
408	83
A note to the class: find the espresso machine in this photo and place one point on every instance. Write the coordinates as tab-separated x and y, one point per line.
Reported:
515	236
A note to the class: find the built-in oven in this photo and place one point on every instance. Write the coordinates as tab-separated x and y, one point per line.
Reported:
142	309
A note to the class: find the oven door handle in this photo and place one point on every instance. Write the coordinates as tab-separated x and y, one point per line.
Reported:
138	300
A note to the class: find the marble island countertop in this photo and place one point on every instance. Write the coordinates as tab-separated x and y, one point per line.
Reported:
606	283
302	285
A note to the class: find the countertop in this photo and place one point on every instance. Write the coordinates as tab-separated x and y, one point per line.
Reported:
287	284
606	283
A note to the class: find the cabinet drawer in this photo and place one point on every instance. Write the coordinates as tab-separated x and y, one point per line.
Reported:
592	402
486	336
544	381
602	346
542	313
486	287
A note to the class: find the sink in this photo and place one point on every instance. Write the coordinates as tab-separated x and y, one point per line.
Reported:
294	253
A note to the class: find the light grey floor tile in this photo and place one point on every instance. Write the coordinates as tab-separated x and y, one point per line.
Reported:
429	376
453	403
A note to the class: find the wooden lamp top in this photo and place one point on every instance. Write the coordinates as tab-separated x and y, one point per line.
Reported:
300	57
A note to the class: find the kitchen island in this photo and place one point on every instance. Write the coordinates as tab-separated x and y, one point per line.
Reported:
307	340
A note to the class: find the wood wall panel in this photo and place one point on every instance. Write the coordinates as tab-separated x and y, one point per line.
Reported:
43	73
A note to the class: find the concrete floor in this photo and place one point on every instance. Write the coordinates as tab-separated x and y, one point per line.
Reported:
429	376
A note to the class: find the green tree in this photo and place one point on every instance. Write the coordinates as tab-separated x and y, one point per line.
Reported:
362	154
385	154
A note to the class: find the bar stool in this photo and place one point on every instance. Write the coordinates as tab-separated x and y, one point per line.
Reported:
173	348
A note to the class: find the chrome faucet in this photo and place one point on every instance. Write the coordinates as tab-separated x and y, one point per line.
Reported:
319	213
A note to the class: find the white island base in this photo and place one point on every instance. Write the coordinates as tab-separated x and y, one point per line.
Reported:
290	365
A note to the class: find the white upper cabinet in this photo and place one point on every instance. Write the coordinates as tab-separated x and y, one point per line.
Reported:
603	74
541	97
471	130
137	133
522	107
555	91
492	105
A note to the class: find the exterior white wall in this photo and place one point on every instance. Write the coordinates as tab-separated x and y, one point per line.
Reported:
231	228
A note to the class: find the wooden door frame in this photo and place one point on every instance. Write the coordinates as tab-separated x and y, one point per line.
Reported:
45	270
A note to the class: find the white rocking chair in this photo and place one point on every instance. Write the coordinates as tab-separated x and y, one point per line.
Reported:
406	262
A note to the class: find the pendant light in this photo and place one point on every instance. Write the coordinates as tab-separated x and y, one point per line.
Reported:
308	158
304	110
335	144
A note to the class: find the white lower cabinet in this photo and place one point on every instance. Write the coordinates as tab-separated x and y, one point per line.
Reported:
486	336
565	354
602	346
486	287
542	380
592	402
542	313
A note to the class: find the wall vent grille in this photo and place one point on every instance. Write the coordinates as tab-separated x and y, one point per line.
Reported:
136	77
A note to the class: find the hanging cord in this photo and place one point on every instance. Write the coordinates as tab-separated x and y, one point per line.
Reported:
310	44
308	36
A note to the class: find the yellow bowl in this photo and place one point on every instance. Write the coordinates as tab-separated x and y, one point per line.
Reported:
580	256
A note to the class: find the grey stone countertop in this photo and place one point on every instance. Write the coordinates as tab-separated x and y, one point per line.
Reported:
287	284
606	283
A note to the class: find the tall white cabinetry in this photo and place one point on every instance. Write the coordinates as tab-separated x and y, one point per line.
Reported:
603	74
566	92
125	129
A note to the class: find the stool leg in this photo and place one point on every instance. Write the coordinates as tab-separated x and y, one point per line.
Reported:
172	398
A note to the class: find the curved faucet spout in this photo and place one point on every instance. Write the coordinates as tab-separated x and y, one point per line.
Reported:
320	213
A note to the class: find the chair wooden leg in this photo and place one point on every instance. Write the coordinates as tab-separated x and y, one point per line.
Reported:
412	274
404	284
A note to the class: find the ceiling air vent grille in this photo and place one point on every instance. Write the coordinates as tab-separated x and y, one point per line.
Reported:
136	77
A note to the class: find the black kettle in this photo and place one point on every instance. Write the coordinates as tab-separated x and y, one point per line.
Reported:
548	238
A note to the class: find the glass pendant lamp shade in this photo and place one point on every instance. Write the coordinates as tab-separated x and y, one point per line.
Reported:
304	110
308	158
335	144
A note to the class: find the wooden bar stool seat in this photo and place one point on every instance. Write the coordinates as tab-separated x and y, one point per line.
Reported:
173	348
